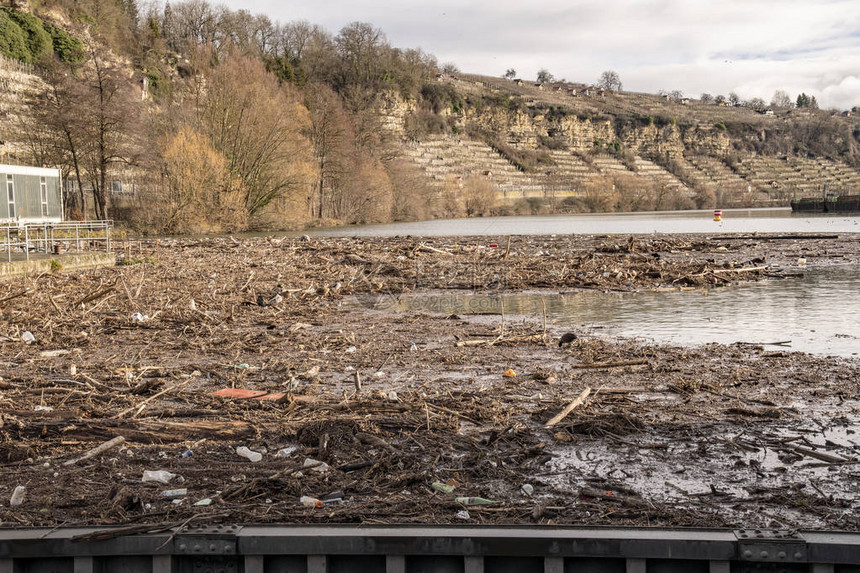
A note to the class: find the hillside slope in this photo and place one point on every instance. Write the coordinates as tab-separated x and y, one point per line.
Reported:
370	132
565	141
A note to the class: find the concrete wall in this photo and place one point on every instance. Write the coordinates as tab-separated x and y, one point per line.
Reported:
43	264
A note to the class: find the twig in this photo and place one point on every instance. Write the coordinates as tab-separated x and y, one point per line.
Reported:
140	406
94	296
16	295
97	450
425	247
140	284
569	408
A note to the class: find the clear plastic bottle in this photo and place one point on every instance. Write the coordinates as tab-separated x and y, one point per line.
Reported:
17	496
252	456
309	501
160	476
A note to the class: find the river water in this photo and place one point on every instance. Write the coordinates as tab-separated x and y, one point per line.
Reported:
818	312
780	220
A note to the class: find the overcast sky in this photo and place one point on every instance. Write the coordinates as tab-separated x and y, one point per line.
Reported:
751	47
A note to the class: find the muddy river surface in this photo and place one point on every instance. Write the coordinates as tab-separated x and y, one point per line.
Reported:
815	311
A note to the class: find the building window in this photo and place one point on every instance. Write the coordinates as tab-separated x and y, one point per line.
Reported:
43	192
10	196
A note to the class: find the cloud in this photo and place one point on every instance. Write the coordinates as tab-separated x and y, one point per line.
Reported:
749	46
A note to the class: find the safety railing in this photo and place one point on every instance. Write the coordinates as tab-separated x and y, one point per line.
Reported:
22	240
432	549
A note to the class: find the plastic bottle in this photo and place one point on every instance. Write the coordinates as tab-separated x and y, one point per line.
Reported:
175	493
442	487
160	476
17	496
474	501
252	456
285	452
309	501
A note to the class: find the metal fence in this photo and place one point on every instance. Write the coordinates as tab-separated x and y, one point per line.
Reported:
20	241
404	549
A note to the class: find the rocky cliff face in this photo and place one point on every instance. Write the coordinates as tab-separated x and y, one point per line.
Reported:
527	130
18	86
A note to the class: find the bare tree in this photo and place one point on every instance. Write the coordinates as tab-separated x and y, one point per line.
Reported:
706	98
510	74
544	77
734	99
781	99
59	117
359	46
258	125
610	80
295	37
329	134
102	131
450	68
195	22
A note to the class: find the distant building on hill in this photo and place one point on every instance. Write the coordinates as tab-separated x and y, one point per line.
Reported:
30	195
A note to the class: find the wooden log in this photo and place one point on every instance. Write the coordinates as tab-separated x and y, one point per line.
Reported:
741	269
830	458
569	408
428	248
767	238
636	362
97	450
138	431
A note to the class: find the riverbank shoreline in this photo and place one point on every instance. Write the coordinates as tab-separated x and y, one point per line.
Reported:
395	402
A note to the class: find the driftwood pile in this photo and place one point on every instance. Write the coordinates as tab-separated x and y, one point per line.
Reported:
196	357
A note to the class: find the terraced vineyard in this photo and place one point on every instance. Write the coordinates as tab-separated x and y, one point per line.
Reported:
678	145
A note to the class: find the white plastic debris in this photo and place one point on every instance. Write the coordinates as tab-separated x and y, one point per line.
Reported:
251	455
160	476
316	465
17	496
309	501
28	337
285	452
137	317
